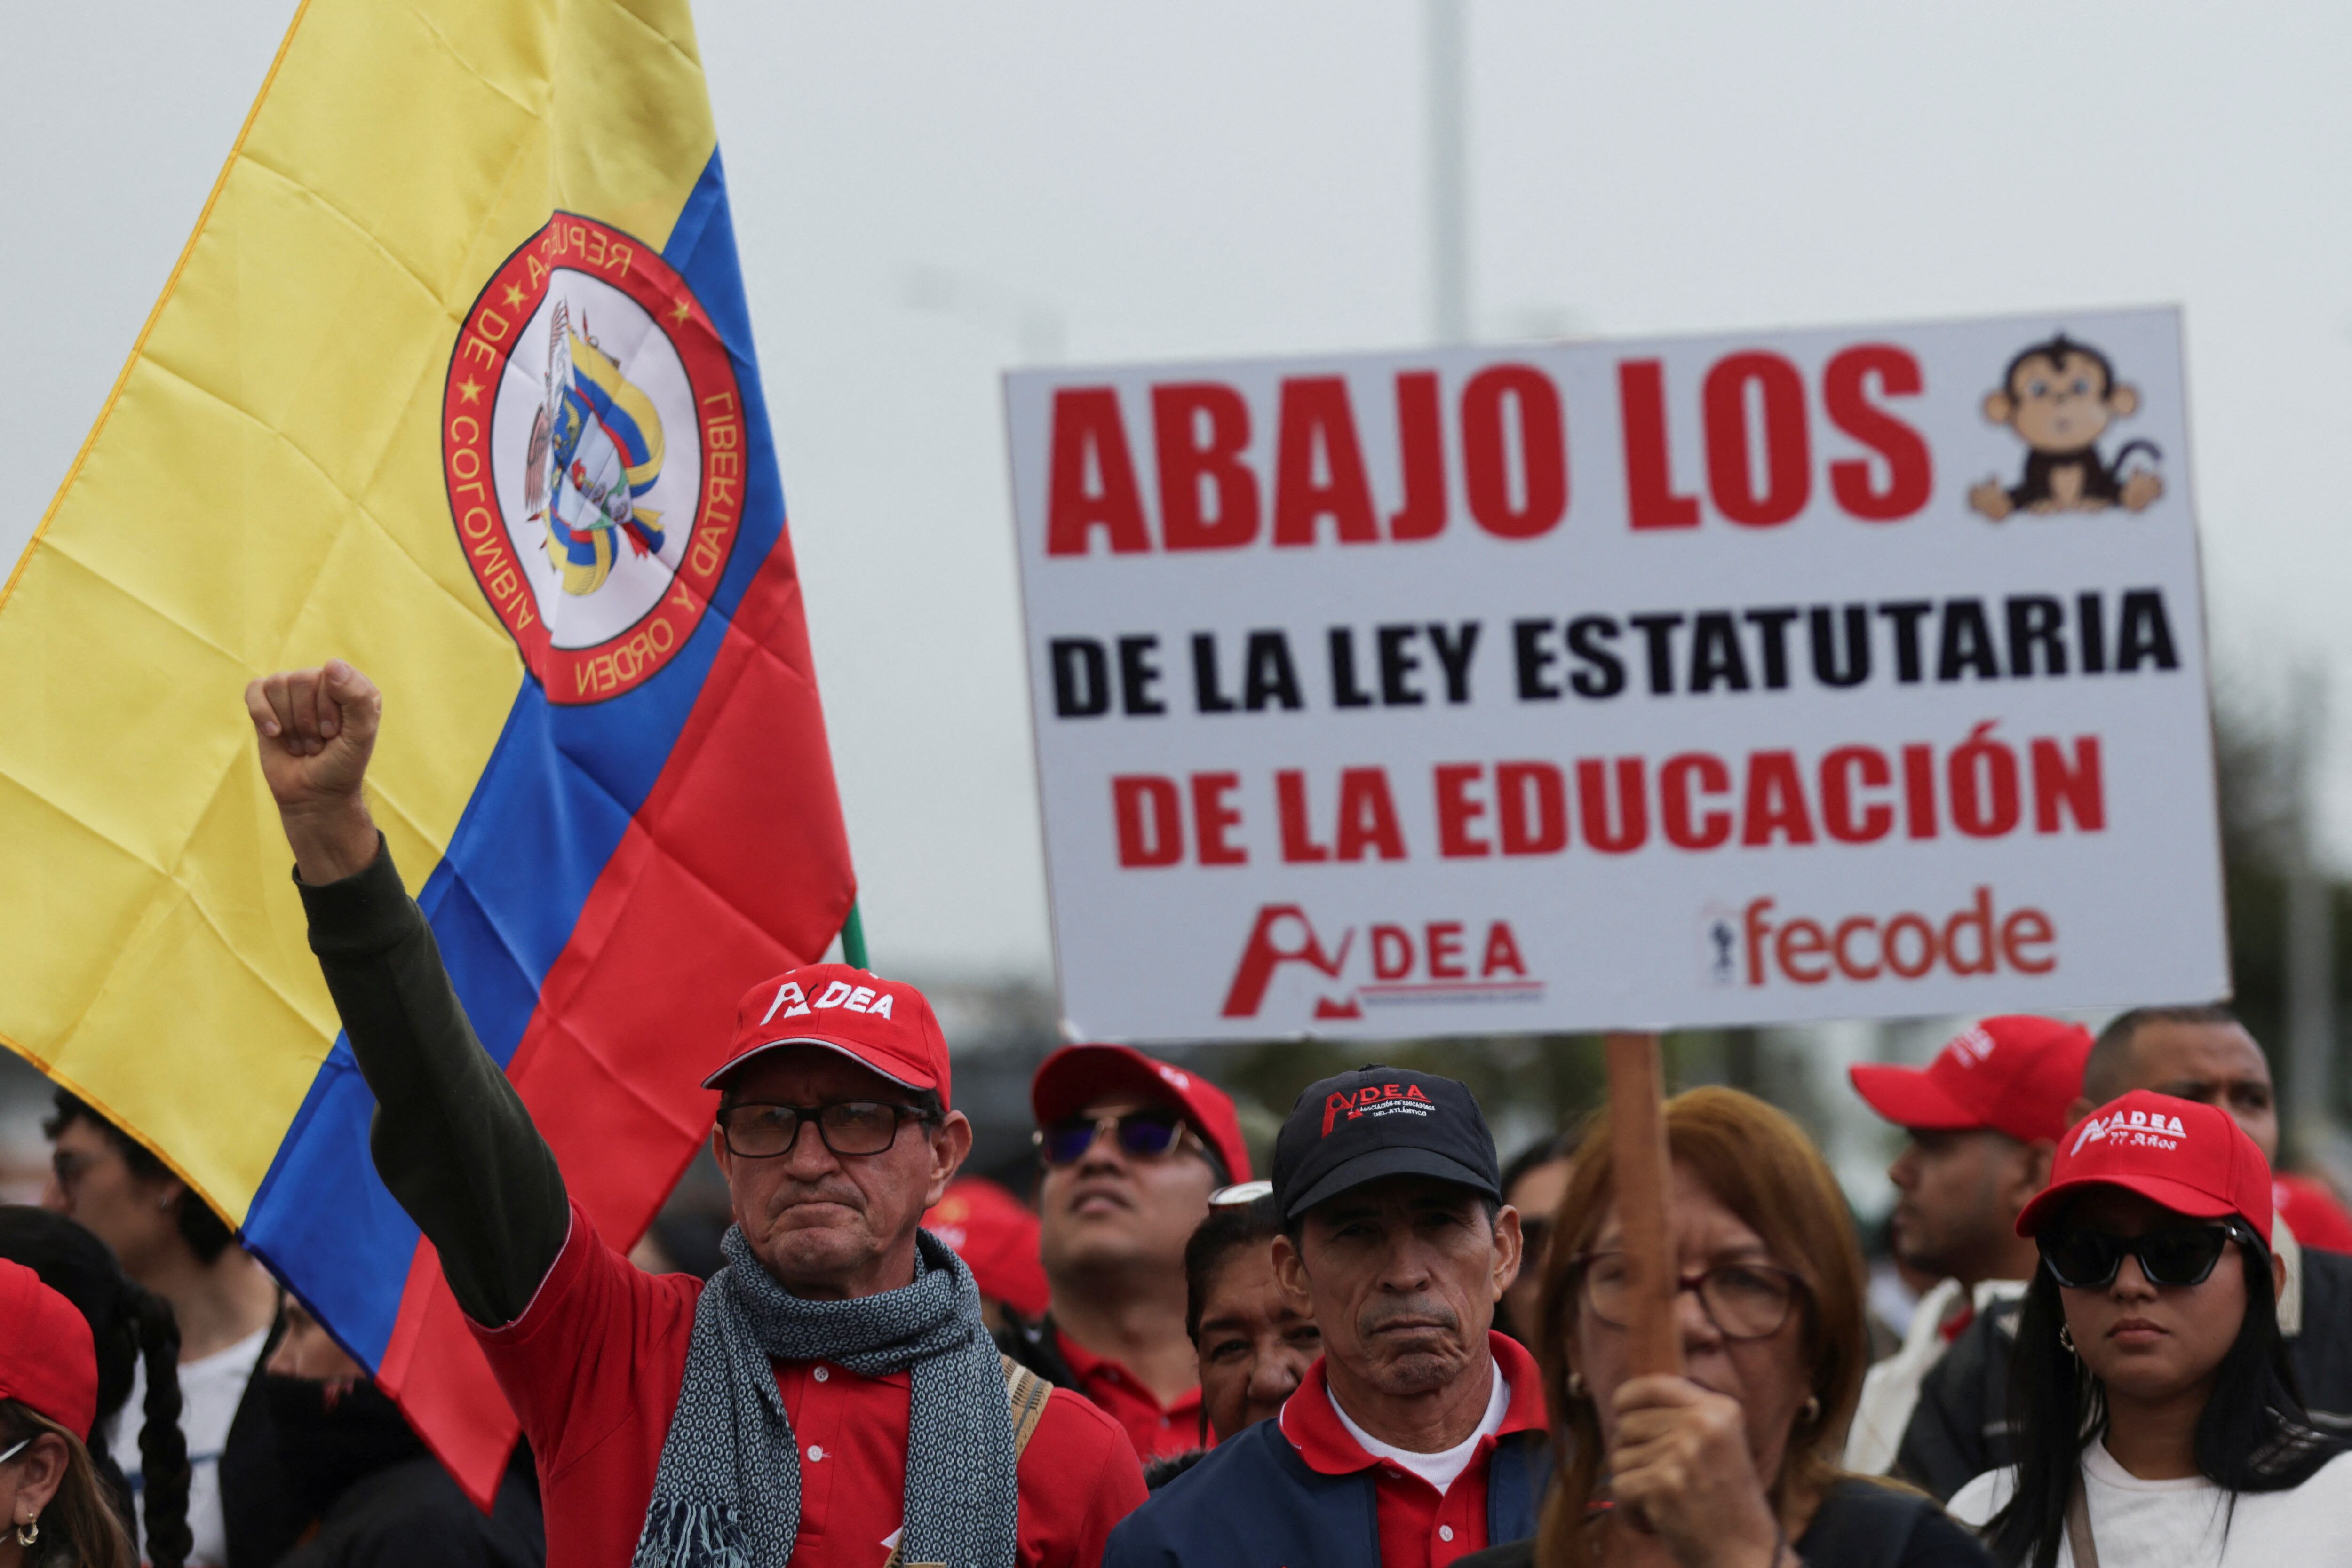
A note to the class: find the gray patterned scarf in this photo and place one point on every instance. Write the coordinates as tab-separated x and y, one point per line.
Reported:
727	1493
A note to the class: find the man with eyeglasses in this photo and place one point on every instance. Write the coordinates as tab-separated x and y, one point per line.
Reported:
1130	1148
2200	1054
831	1397
1419	1436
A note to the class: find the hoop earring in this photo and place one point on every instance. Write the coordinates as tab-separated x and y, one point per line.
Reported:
29	1531
2067	1340
1810	1411
1576	1385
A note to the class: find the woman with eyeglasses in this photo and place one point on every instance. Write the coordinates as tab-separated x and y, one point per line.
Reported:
53	1509
2157	1420
1733	1464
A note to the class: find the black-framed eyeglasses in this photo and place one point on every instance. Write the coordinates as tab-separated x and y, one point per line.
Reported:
755	1131
1146	1134
1744	1300
2171	1255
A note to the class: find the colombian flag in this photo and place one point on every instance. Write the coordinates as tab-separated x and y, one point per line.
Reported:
454	381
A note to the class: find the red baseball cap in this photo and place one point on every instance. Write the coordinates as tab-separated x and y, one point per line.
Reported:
46	1359
1078	1076
995	1234
2014	1075
882	1024
2193	1159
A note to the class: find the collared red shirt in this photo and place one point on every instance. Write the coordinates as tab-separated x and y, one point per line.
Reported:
593	1369
1418	1527
1157	1430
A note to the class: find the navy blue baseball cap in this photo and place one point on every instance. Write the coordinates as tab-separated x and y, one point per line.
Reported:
1381	1122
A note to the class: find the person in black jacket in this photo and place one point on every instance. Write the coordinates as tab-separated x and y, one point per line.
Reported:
376	1497
1733	1464
1961	1426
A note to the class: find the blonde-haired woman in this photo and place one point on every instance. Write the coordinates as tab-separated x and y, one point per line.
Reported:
1732	1464
52	1510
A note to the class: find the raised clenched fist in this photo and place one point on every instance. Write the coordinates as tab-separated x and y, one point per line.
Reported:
316	729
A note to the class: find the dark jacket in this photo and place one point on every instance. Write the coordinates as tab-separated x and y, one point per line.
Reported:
1859	1524
412	1513
1251	1502
1959	1429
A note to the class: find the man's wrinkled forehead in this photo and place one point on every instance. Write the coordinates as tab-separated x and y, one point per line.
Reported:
1396	1195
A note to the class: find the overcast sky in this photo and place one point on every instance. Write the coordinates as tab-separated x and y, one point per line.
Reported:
926	193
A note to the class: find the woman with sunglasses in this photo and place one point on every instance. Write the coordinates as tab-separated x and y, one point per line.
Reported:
54	1510
1733	1463
2157	1420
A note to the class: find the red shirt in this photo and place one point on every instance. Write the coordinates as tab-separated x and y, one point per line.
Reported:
1419	1528
1154	1429
593	1369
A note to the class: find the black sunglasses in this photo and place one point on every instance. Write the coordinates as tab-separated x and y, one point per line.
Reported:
1146	1134
2173	1254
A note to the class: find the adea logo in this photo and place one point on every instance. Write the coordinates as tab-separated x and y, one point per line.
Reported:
793	1002
1396	964
593	448
1376	1099
2139	1129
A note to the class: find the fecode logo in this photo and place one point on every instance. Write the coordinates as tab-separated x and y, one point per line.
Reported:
1397	963
1757	944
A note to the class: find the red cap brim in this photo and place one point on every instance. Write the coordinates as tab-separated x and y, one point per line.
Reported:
1907	1097
719	1079
2177	1196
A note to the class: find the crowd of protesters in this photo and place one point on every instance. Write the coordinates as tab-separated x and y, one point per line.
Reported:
2132	1345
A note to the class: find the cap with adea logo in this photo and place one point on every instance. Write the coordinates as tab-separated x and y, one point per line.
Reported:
2192	1159
46	1358
1379	1122
1078	1076
2015	1074
878	1023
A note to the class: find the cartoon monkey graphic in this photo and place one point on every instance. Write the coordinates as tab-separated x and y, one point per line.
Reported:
2060	396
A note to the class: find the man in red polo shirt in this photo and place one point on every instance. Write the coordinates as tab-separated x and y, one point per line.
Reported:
1983	1122
830	1396
1132	1147
1419	1436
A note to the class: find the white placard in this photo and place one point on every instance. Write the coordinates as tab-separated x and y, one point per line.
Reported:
1805	675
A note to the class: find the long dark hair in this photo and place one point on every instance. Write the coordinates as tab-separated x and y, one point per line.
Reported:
2254	1435
128	1325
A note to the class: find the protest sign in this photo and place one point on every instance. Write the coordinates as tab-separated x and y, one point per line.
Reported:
1773	677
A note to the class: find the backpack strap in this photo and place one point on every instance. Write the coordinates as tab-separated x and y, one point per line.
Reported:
1026	1393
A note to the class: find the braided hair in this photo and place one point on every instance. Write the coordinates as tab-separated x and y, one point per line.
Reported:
129	1324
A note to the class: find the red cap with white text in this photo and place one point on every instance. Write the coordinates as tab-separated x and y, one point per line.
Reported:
2193	1159
2014	1075
47	1361
878	1023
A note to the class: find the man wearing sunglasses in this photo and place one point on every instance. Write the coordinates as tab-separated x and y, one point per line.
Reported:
1419	1436
830	1396
1129	1149
1980	1125
2203	1054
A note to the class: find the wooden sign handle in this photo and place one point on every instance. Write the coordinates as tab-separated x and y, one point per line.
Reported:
1637	1143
